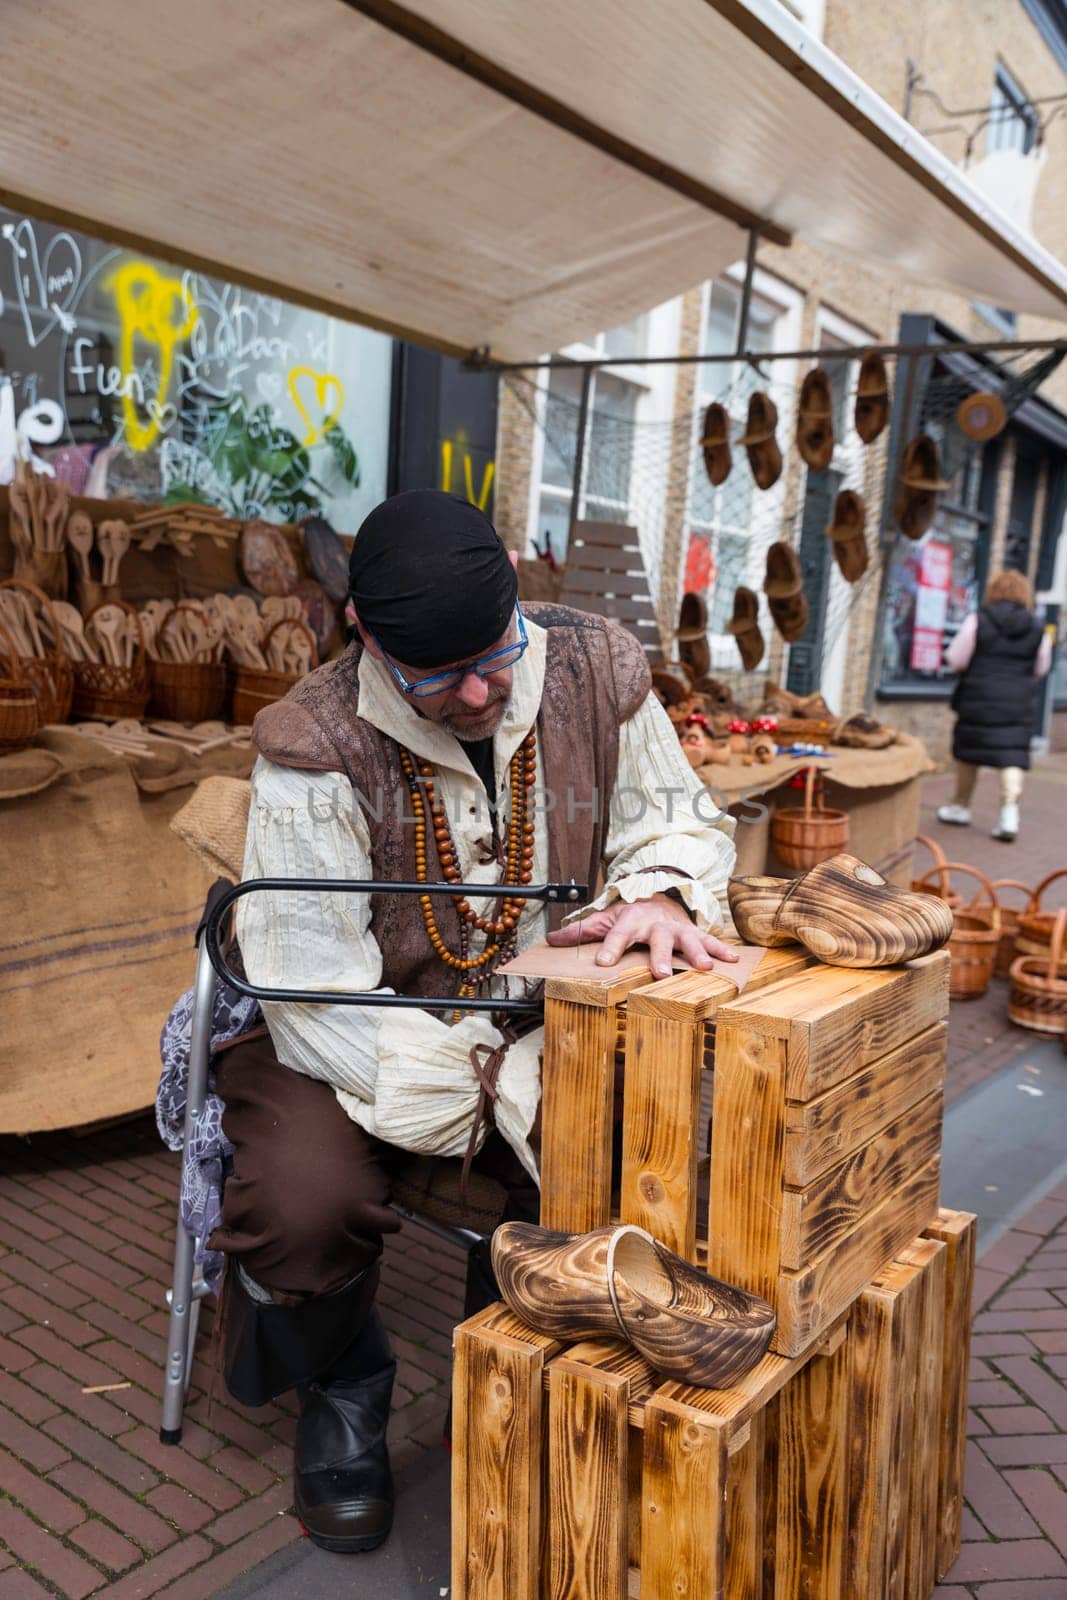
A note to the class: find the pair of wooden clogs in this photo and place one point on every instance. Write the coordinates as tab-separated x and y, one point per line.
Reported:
618	1282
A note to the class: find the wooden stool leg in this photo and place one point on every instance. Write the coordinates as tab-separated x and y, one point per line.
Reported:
496	1465
683	1503
588	1454
929	1255
957	1231
812	1501
745	1503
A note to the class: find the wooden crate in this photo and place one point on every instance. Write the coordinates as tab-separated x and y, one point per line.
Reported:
833	1475
826	1135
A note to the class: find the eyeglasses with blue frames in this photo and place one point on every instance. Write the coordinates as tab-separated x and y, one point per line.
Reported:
441	682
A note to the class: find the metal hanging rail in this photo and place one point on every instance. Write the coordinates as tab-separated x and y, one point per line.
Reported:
482	361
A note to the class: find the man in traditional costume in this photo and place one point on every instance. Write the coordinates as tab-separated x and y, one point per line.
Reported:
525	747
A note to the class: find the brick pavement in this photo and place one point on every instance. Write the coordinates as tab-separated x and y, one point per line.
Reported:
91	1503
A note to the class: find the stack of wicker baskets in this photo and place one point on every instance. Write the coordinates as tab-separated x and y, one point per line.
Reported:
804	836
1038	996
975	933
1035	926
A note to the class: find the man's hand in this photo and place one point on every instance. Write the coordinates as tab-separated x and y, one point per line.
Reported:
659	922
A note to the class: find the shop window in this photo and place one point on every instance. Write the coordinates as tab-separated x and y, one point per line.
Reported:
1012	118
607	479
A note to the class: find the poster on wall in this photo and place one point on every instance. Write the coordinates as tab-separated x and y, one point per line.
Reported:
931	607
125	375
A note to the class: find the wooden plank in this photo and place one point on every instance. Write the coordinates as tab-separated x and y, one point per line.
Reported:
496	1466
930	1256
585	991
610	1355
807	1300
588	1482
577	1095
823	1131
747	1160
683	1503
745	1496
884	1335
661	1128
617	583
957	1231
753	1393
817	1216
812	1499
837	1020
696	996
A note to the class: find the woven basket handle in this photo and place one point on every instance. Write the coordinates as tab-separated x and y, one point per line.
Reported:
293	622
933	847
946	867
16	660
42	600
1012	883
1059	927
810	803
1035	898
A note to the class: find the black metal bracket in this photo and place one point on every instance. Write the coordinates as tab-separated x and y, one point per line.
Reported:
572	894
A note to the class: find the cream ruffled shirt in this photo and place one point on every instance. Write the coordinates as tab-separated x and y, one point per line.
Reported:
405	1075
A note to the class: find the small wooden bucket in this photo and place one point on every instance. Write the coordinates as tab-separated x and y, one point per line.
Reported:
1009	924
19	712
1038	995
51	677
256	687
803	838
975	935
1035	926
951	896
185	691
110	692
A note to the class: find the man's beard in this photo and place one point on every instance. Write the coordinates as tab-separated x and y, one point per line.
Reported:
484	725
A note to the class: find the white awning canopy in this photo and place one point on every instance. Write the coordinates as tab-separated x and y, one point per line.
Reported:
482	172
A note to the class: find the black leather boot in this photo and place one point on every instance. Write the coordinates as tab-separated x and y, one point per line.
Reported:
344	1488
334	1351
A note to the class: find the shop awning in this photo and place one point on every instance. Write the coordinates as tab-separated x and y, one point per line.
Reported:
481	172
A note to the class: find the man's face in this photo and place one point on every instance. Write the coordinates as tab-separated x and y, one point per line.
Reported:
470	710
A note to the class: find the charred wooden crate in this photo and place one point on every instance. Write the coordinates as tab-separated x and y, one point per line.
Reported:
833	1475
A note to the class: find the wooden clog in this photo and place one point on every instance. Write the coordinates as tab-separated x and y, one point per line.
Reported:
715	444
691	635
620	1282
783	584
921	485
764	456
843	911
815	420
745	628
871	412
846	534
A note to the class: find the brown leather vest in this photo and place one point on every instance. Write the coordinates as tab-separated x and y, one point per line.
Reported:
596	677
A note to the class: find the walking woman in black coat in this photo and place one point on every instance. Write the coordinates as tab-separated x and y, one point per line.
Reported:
1000	653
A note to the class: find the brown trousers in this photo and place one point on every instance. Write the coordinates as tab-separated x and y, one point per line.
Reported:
306	1204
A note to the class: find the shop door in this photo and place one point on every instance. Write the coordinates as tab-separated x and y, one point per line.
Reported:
806	655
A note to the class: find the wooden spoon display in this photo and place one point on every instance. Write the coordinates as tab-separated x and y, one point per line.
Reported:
80	537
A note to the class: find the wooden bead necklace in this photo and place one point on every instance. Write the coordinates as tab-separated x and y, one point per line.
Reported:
517	866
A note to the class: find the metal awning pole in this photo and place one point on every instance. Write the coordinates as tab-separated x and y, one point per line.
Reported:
579	451
746	294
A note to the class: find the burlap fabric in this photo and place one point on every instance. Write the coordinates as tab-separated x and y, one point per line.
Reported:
98	905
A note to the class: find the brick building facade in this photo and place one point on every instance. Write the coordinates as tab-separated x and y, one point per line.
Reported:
936	62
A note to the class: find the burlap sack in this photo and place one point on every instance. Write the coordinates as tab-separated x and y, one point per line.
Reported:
98	905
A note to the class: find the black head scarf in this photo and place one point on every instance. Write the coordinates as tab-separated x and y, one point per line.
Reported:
431	578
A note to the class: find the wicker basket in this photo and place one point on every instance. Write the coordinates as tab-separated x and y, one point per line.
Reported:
1009	925
19	712
1035	926
975	935
104	690
185	691
50	677
1038	995
803	838
256	687
951	896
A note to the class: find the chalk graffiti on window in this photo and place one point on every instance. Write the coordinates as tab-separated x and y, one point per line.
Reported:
124	375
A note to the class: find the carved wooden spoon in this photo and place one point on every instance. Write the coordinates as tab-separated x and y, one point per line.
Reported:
80	538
